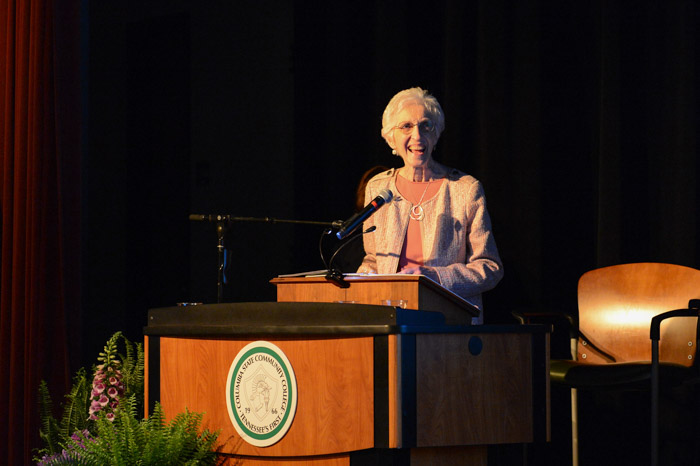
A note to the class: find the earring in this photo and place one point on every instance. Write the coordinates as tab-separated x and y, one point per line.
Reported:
393	151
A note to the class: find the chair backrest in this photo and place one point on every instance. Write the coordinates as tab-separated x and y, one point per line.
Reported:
616	305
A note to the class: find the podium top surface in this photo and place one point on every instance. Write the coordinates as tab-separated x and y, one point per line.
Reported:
296	318
286	318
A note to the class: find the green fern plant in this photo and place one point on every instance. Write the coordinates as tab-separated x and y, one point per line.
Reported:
127	441
55	433
95	432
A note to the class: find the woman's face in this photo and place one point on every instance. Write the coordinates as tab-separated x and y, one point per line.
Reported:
412	139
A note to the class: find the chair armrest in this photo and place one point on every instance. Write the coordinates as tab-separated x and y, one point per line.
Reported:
574	333
693	310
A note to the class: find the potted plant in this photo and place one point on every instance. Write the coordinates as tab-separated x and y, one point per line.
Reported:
100	424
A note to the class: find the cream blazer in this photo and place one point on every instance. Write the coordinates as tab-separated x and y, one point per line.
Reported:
456	232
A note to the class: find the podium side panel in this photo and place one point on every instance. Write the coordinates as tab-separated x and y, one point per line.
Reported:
335	407
474	389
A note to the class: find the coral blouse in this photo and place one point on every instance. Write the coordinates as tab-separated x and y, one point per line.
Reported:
415	192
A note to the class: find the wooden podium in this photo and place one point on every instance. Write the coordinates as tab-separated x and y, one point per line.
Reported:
418	291
375	383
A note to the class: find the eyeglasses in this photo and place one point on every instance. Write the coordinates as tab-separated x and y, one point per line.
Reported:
425	126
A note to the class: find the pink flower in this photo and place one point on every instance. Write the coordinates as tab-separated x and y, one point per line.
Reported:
107	387
94	407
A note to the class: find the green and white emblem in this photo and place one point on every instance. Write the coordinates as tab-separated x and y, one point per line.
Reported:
261	393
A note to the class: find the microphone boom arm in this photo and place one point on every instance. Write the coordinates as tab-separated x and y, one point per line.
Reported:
223	222
231	219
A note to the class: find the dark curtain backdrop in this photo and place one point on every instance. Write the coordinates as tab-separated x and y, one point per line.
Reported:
579	118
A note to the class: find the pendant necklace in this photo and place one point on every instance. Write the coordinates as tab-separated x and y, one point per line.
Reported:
417	210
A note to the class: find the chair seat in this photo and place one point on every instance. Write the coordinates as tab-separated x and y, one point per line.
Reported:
630	375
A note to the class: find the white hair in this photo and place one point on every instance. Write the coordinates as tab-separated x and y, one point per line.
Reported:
414	95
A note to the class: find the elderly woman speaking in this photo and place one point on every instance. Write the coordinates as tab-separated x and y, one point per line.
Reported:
436	224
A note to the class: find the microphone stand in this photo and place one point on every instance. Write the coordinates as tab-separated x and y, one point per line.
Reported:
221	229
222	224
335	275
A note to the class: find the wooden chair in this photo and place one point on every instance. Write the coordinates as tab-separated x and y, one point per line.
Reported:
615	341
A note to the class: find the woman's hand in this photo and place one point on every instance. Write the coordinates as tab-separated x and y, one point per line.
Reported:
429	272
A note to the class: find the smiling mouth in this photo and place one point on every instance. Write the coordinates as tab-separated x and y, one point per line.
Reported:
417	149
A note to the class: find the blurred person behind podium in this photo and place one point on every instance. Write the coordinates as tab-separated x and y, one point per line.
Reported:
437	223
350	258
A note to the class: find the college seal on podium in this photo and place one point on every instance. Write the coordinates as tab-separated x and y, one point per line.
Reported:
261	393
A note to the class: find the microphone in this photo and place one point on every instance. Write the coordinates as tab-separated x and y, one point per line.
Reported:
356	220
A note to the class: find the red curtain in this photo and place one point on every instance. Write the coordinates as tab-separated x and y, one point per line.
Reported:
39	159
